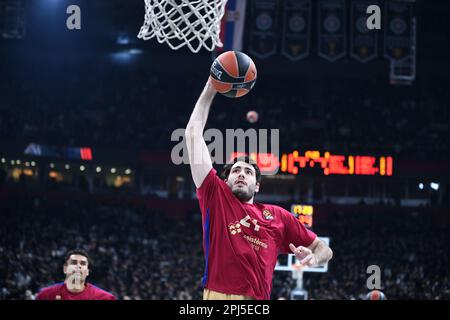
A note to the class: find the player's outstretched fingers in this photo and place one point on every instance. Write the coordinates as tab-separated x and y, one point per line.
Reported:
293	248
302	249
306	260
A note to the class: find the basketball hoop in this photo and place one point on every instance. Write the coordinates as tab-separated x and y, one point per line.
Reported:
297	273
297	270
195	23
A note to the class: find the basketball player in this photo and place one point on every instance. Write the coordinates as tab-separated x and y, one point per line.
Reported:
75	287
241	238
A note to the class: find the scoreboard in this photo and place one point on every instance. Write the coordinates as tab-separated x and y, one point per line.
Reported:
304	214
337	164
328	164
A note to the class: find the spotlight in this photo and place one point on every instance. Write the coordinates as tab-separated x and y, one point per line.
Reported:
434	186
82	168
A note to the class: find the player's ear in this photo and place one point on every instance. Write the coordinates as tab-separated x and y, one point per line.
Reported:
257	187
65	268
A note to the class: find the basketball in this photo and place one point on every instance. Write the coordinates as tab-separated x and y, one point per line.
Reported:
233	74
375	295
252	116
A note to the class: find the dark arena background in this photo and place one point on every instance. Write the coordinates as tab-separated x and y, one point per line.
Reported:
87	116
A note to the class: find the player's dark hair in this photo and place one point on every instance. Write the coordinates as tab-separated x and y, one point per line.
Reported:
227	168
79	252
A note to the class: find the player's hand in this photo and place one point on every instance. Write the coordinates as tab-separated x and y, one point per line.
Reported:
304	255
209	86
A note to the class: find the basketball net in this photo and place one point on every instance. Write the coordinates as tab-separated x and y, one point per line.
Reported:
192	23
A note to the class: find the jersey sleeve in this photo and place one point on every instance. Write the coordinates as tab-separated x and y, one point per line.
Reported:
208	189
295	232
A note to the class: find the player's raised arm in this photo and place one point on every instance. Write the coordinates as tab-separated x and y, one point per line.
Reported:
199	157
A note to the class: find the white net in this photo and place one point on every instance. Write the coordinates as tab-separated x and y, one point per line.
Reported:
194	23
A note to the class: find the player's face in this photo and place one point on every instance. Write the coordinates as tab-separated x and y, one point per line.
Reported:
76	269
242	181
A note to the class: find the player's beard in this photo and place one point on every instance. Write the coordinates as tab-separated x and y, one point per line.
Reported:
244	195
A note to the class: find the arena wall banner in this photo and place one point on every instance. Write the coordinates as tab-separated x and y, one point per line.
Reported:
397	30
296	29
363	42
332	29
232	26
263	40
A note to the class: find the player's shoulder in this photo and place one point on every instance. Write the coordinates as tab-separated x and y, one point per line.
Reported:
214	175
101	294
48	291
210	178
52	287
212	183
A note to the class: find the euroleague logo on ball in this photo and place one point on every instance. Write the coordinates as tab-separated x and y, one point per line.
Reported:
216	72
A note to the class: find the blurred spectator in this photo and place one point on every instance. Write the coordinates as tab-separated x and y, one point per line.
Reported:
98	105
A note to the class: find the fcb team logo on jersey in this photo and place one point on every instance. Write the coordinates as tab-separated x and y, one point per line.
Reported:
267	214
234	228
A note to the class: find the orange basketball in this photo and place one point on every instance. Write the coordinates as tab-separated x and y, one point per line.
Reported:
233	74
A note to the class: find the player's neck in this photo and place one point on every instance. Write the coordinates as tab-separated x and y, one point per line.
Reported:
250	201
